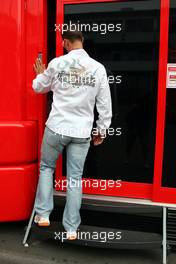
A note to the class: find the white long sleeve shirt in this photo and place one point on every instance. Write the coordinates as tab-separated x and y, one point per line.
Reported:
78	83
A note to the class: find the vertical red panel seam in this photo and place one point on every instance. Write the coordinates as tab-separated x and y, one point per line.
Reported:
23	88
42	28
161	104
25	59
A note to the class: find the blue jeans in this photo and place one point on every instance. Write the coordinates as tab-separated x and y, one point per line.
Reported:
76	149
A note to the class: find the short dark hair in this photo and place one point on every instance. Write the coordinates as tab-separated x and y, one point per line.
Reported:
72	35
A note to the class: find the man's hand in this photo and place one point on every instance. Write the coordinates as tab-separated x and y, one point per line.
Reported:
39	67
98	139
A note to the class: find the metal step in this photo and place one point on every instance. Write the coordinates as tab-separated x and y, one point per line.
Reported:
105	204
102	237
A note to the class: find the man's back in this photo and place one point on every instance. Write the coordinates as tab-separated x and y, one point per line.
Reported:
78	81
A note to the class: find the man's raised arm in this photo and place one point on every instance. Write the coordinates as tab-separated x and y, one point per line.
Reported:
42	82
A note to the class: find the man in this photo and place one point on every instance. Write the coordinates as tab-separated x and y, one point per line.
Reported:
78	83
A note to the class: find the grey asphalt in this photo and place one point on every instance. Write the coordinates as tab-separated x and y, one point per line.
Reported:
47	251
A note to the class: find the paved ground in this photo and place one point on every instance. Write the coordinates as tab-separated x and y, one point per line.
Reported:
50	251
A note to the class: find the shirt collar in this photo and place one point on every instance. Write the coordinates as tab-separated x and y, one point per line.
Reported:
77	52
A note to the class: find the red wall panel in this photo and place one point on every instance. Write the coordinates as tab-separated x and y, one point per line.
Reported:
22	112
17	191
18	141
12	60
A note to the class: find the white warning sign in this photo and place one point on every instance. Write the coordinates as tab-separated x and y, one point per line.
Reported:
171	75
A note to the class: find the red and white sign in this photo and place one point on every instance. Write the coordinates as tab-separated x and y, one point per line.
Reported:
171	75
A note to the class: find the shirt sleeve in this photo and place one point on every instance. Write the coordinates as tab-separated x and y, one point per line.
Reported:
43	82
103	104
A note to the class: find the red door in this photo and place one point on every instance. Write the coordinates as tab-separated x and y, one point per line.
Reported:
131	39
